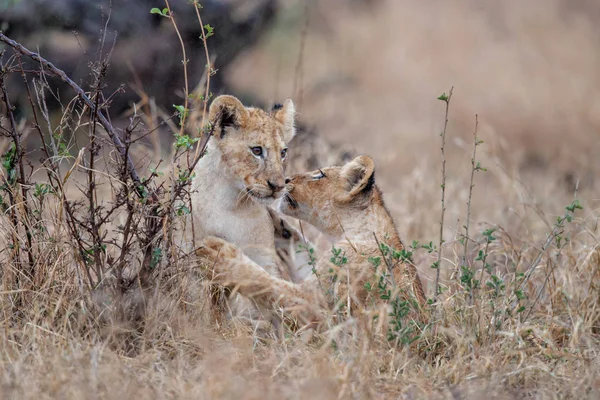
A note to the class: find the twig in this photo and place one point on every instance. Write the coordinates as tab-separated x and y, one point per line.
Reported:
387	262
205	135
473	168
91	189
16	138
185	74
35	117
471	185
533	303
446	99
557	230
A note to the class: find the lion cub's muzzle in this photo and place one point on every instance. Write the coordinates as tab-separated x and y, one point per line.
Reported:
288	197
277	187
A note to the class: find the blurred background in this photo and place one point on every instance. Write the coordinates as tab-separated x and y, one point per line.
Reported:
365	76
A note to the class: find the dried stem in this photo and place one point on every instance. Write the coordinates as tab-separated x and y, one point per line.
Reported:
205	134
446	99
22	180
471	185
474	168
91	189
185	73
209	71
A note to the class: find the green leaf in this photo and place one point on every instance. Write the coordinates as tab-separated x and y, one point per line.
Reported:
575	205
519	294
155	172
375	261
183	210
41	189
184	141
488	234
156	257
429	247
480	256
443	97
183	112
209	30
478	167
163	13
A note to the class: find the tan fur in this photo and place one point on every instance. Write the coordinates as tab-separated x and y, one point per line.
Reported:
344	203
233	186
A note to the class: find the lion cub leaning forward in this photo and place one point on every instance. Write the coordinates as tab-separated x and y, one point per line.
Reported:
344	203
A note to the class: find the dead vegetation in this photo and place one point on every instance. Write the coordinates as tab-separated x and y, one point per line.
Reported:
101	297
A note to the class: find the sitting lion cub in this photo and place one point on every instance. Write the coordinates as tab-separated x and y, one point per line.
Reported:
241	174
344	203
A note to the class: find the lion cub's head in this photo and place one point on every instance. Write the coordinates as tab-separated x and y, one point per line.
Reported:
252	145
328	196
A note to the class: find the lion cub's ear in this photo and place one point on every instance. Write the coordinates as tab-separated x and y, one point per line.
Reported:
286	114
227	111
359	177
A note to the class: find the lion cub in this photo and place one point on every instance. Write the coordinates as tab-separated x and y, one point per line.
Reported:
241	174
344	203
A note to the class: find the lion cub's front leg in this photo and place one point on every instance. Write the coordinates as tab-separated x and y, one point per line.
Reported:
230	267
287	242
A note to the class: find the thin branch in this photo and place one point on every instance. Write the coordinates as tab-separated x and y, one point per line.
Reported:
474	168
22	181
385	259
205	135
185	73
446	99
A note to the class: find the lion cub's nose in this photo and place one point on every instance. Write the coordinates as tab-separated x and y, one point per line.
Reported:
276	186
288	180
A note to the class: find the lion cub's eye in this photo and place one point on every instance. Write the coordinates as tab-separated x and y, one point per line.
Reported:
320	175
257	151
283	153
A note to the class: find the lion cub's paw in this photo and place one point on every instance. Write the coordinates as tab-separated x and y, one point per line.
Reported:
217	250
216	258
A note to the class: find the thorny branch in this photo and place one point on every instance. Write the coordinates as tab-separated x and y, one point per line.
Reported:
114	136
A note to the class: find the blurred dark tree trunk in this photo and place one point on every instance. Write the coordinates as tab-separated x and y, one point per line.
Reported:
144	47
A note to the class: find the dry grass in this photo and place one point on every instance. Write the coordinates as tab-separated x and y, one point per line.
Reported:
514	64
